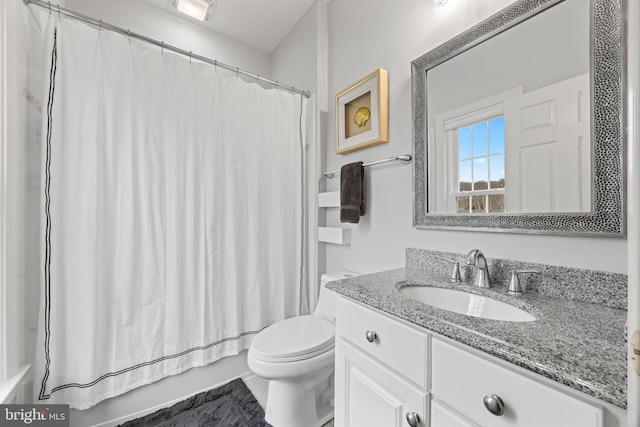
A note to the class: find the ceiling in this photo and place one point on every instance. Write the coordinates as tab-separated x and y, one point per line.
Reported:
261	24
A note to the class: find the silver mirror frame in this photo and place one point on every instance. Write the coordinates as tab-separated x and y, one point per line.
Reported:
608	74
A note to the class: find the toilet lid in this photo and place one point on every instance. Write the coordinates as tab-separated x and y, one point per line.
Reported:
294	337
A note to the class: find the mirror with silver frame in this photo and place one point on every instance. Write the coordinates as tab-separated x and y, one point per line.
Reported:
519	122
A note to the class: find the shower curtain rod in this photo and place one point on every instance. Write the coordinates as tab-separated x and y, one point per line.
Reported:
161	44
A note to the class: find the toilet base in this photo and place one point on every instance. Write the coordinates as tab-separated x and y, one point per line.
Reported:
307	402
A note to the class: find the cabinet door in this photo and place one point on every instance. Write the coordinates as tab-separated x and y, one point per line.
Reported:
442	416
368	394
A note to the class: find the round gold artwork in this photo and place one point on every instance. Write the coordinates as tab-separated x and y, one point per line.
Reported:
362	116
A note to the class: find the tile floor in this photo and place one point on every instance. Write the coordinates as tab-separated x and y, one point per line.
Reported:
259	386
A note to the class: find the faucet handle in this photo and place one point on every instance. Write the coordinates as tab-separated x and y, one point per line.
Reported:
455	272
514	286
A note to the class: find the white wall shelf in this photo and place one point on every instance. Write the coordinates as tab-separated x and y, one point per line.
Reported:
330	199
339	236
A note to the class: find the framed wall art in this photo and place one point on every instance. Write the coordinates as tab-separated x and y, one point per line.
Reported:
362	113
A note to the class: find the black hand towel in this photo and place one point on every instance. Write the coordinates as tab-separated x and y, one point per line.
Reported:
351	192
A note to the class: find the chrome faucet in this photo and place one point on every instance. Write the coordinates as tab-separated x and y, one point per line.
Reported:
475	257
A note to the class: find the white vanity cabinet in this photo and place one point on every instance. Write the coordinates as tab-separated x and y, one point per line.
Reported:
381	370
387	368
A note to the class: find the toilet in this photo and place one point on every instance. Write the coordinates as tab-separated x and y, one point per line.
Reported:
297	356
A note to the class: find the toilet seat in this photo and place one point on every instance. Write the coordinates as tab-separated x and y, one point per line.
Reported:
297	338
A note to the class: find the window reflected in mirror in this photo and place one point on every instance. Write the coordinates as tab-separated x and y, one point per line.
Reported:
480	166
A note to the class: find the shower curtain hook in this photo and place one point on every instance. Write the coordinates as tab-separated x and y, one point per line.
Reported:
129	35
49	3
189	57
237	72
162	49
215	64
59	13
100	27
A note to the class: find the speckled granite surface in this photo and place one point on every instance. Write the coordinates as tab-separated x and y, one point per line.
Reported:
581	345
555	281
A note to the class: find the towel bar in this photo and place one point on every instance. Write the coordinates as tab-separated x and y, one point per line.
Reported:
404	158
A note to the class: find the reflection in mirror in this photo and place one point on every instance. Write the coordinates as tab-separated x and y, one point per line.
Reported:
518	122
509	121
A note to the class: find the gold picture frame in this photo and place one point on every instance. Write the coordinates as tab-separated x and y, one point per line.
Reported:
362	113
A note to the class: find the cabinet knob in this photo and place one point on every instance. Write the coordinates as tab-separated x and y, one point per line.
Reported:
494	404
413	419
371	336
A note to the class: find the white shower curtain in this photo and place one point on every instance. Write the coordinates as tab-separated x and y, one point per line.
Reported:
173	215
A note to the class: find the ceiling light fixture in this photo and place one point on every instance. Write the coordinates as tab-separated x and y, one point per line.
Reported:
198	9
436	3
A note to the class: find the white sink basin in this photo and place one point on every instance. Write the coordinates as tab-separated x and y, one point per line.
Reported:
466	303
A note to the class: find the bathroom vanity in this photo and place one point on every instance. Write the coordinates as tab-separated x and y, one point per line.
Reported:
401	362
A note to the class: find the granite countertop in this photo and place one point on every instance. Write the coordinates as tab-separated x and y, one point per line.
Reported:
579	344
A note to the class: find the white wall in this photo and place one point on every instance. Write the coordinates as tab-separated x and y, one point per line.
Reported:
390	34
294	62
300	61
145	19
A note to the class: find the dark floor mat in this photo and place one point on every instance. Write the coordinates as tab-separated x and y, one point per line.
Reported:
230	405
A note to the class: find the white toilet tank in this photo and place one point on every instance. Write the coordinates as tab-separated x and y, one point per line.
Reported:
328	299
